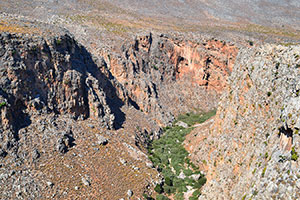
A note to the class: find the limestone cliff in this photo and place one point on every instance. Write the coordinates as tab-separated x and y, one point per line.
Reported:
250	150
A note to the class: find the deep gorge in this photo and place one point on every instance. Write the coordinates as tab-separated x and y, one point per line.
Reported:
73	121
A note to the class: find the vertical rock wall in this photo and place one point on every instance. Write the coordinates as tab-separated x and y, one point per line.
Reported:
251	149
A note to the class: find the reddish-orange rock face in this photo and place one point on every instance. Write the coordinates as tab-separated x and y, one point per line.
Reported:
160	72
207	64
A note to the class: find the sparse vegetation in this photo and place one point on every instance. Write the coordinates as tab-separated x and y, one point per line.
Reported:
6	26
194	118
109	25
263	172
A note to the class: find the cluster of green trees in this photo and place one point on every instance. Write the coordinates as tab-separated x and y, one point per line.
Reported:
171	159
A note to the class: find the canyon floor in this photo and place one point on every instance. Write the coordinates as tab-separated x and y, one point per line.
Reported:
149	100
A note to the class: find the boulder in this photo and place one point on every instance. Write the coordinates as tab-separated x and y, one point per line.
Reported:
182	124
101	139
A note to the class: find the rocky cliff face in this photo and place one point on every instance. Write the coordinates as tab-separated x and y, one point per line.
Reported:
250	151
56	76
167	76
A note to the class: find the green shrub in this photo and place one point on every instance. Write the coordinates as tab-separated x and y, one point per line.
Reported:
187	172
58	42
161	197
244	197
266	155
146	197
182	188
179	196
155	67
158	188
194	166
263	172
169	181
169	189
189	181
195	195
294	154
166	128
2	104
167	172
155	159
255	193
200	183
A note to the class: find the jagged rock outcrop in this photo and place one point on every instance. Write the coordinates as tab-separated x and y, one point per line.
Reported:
251	150
166	76
55	75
